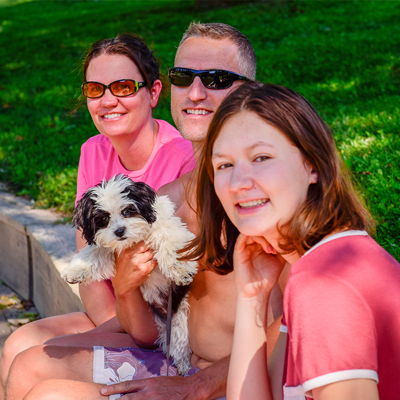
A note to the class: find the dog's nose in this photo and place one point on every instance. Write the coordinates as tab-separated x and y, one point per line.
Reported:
119	232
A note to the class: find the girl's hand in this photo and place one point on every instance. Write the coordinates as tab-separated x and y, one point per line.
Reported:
257	267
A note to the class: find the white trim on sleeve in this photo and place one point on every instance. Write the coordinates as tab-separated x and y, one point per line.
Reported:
337	377
283	328
336	236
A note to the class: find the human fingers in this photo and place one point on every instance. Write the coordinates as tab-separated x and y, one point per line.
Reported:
133	268
242	260
253	242
133	272
241	242
135	257
136	249
241	252
267	247
123	388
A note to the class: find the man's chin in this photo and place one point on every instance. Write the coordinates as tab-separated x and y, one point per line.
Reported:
193	134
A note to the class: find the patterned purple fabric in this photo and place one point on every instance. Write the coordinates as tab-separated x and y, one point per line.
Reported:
139	363
114	365
121	364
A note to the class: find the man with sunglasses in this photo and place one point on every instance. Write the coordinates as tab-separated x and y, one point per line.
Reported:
211	61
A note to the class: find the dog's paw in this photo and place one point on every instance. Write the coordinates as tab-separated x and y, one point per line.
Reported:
182	366
72	278
71	281
184	272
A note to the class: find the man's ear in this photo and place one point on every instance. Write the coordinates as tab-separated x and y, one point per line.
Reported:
155	93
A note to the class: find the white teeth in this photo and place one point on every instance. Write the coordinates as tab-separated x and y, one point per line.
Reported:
254	203
197	112
112	115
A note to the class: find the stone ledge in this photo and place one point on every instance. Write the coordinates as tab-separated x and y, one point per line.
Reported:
35	248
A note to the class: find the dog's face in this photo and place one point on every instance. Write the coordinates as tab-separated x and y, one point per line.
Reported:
116	213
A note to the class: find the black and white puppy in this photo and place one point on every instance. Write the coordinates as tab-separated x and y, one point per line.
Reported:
118	213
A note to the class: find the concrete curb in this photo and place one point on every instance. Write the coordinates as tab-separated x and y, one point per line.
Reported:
34	249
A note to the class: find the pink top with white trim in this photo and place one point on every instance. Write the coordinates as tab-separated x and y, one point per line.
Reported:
341	310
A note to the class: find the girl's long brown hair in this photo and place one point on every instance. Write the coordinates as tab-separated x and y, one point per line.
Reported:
332	203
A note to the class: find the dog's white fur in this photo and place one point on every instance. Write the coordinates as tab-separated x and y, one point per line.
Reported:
166	236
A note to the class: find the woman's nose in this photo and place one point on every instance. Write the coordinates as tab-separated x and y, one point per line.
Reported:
108	99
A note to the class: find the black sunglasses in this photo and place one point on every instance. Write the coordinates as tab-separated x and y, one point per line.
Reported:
121	88
211	78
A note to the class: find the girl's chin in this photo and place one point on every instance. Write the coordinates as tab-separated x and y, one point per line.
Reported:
258	226
252	231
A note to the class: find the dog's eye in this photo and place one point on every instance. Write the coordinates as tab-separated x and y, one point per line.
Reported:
101	219
129	212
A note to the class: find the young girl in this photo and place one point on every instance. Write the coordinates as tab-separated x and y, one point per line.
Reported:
273	186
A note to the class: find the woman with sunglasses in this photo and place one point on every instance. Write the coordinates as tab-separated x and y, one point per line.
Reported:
272	187
122	86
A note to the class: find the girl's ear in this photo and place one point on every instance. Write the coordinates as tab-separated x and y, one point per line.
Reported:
155	93
313	174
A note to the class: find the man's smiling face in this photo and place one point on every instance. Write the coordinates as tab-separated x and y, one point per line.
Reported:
193	107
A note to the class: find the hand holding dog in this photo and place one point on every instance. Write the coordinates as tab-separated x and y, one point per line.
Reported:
133	266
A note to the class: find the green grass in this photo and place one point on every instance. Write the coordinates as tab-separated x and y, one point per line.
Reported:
344	56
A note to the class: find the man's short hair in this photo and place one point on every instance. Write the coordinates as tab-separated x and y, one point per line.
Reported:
246	55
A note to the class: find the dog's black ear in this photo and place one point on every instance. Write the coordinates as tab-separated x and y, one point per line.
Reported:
83	216
144	197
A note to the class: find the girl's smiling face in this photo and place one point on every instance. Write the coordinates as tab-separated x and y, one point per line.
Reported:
260	177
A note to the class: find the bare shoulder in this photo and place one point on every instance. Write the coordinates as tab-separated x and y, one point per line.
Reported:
177	191
174	190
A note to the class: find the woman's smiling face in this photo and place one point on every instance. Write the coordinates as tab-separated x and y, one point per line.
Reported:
260	177
116	116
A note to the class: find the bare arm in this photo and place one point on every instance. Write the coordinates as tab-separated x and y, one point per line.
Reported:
98	297
256	273
354	389
207	384
99	301
248	372
133	267
276	365
134	315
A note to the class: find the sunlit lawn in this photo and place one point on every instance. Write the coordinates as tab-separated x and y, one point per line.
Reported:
344	56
